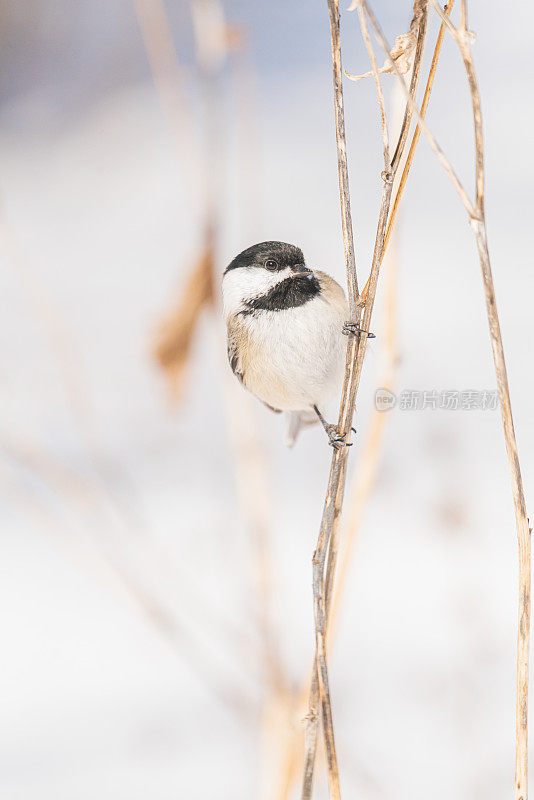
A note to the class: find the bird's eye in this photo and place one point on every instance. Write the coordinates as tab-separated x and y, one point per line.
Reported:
271	264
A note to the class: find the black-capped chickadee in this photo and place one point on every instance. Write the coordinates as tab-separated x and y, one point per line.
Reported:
285	327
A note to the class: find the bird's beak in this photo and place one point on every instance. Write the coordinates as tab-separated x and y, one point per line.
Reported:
302	269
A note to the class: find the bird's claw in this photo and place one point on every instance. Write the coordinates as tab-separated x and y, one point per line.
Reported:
351	329
336	438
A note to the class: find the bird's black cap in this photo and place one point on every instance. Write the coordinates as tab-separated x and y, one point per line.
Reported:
286	255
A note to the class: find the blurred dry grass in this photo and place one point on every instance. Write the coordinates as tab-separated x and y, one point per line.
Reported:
175	335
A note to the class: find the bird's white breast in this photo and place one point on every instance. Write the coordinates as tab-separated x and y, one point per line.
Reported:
293	358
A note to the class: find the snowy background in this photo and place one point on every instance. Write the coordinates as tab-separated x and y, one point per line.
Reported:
106	487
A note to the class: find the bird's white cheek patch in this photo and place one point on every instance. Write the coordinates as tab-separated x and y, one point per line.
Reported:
246	283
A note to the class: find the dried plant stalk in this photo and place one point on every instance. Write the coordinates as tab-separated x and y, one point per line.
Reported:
175	334
364	478
327	541
415	111
364	481
477	220
319	691
417	132
420	9
369	456
378	85
522	523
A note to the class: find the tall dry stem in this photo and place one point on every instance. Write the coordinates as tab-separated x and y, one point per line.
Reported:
365	474
327	543
366	470
477	220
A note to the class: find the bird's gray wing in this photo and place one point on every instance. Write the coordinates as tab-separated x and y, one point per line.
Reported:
233	345
236	341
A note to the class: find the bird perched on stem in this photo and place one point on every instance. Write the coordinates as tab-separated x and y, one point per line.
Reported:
285	325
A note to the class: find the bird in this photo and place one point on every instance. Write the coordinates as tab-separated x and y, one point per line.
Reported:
285	333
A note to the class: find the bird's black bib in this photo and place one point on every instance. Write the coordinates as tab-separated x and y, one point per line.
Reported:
290	293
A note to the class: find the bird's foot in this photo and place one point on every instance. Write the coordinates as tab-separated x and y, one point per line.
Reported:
336	438
351	329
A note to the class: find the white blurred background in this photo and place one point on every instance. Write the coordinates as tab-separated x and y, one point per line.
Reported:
130	663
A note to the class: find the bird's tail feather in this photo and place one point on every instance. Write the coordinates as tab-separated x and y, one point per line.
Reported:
295	421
